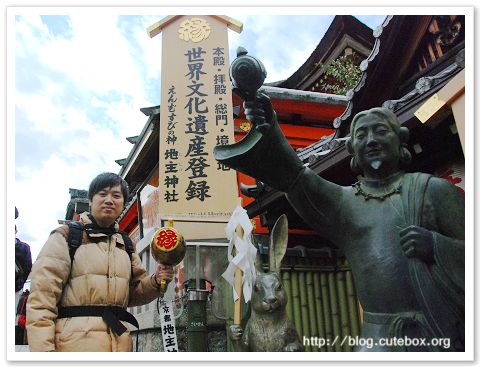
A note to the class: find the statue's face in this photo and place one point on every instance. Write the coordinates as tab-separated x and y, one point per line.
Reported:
376	145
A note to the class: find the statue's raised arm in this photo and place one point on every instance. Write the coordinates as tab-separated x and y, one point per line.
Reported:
266	155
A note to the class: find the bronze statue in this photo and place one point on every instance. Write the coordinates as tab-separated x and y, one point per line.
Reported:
269	329
402	233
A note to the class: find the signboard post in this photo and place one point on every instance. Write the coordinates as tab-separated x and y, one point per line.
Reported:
196	114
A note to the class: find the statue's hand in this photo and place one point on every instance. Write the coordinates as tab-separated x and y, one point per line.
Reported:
417	242
260	112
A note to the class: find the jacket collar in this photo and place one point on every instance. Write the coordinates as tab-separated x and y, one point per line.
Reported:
86	221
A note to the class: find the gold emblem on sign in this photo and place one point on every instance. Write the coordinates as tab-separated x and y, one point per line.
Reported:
194	29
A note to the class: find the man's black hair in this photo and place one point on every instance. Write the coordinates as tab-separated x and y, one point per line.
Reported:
106	180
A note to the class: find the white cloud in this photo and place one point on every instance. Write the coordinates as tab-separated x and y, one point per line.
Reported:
43	198
151	48
281	43
97	57
69	102
127	115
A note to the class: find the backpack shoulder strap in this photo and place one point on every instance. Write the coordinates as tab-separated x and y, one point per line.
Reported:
128	244
74	237
63	230
128	248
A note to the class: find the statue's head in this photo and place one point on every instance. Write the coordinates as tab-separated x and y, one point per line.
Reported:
378	144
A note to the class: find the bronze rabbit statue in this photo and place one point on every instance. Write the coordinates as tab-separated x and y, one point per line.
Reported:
269	329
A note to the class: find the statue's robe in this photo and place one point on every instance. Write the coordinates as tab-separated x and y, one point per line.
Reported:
440	286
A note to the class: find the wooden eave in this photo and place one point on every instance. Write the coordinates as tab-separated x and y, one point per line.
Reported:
396	41
132	139
302	107
434	68
451	65
144	154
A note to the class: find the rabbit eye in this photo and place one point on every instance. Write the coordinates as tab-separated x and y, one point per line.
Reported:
255	288
279	286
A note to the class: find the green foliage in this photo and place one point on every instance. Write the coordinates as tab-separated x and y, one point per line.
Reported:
340	76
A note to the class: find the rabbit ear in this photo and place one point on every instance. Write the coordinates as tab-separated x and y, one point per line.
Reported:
258	262
278	243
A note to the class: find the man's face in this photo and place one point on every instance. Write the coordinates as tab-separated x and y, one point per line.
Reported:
106	205
376	145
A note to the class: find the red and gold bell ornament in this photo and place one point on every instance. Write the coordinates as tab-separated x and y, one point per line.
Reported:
168	246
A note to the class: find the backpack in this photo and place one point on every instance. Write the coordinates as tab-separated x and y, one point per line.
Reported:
18	269
22	267
19	276
75	236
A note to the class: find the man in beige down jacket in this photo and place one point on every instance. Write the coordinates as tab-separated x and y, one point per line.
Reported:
80	305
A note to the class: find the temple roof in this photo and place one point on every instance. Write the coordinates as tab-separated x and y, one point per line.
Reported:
345	31
400	73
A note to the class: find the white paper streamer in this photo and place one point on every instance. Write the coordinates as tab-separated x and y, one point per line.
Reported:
245	253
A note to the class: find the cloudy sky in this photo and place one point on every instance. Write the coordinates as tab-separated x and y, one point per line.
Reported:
80	77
